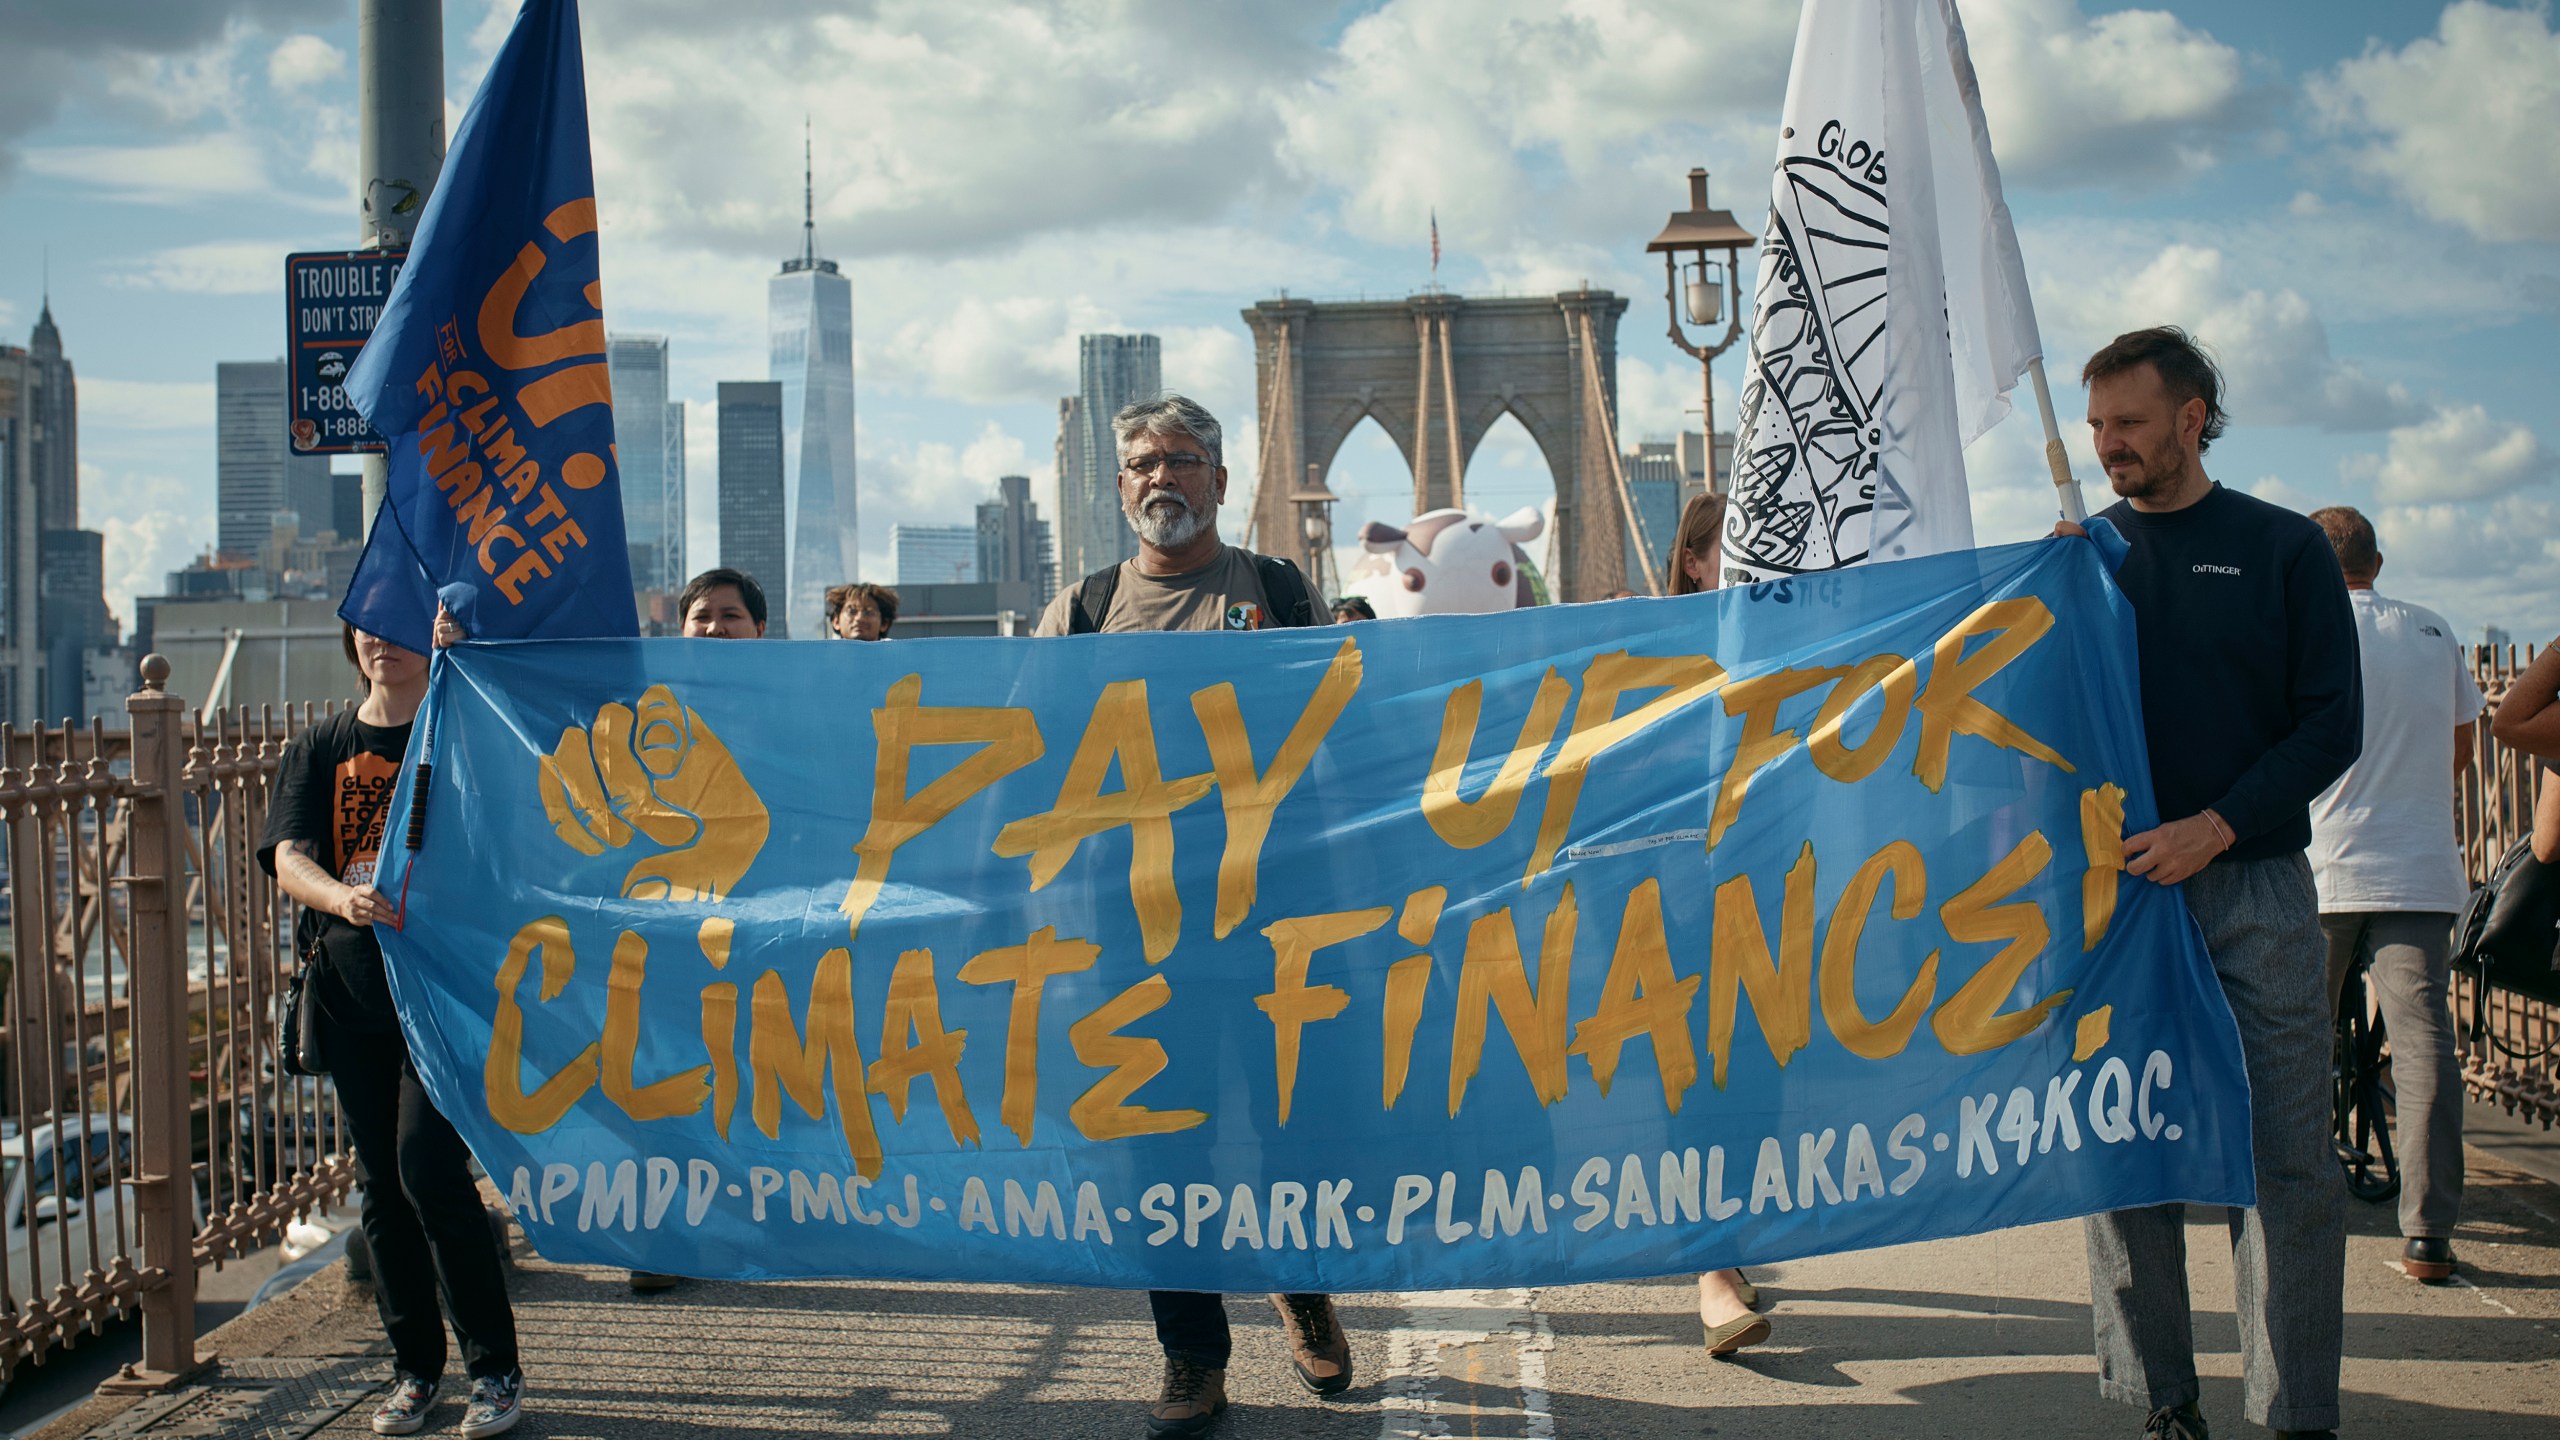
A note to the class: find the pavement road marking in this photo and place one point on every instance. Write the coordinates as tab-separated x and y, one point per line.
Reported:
1483	1339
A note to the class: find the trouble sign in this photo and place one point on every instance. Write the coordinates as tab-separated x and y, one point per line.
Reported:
332	299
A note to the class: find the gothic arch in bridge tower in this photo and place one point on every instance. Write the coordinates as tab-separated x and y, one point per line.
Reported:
1436	371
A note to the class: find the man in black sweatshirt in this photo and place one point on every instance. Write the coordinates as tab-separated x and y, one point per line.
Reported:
2252	704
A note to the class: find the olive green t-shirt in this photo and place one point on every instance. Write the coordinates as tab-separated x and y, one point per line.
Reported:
1225	594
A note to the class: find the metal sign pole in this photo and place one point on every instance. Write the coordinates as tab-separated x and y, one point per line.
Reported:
400	140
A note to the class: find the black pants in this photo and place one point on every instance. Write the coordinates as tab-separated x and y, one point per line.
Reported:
422	1213
1192	1325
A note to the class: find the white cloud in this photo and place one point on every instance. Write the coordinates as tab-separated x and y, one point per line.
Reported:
1019	348
331	153
55	51
217	267
1205	361
2124	99
154	523
972	128
145	405
303	61
2458	453
2276	490
935	483
1461	103
2273	348
196	168
1658	402
2460	123
182	87
2493	563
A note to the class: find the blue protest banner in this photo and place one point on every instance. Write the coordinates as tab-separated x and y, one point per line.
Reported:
1584	942
487	375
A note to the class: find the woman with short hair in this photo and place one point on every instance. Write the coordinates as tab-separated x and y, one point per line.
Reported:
422	1214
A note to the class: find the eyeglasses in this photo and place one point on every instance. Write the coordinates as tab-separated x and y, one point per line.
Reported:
1182	464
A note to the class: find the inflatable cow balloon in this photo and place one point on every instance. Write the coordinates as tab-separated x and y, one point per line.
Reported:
1446	562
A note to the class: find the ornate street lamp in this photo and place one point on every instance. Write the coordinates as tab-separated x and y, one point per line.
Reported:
1315	531
1699	250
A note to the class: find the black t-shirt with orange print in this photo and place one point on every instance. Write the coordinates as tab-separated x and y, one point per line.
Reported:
333	790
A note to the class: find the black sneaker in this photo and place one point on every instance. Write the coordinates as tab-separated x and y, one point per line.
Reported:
404	1410
497	1403
2178	1422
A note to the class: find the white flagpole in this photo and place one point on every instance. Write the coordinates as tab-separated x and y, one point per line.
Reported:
2056	459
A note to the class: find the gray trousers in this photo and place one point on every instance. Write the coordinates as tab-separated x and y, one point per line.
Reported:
2408	968
2261	922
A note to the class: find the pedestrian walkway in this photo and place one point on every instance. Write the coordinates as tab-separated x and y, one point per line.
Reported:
1987	1336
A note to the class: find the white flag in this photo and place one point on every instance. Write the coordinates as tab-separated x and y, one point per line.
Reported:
1893	316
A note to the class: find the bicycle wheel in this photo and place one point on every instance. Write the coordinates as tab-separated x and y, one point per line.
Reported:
2363	1097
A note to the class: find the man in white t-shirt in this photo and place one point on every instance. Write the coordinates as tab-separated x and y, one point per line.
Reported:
2385	858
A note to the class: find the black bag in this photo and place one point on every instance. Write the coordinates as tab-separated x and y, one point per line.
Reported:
2508	934
298	1013
298	1018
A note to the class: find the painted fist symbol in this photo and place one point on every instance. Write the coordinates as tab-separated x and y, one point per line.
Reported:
659	771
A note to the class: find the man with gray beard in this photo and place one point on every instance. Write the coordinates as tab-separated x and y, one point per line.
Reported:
1172	481
1185	578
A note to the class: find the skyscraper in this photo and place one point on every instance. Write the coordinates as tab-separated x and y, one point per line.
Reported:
71	598
809	310
935	554
751	491
652	461
256	477
1111	371
1662	475
53	405
40	500
676	568
1013	541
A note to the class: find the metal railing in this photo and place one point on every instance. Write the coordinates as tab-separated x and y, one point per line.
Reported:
2512	1056
151	1134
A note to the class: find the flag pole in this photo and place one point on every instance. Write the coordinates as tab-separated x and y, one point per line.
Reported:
2056	459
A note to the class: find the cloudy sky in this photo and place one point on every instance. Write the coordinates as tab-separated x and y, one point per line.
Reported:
2356	202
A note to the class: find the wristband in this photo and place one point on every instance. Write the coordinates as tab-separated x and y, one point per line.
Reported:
2222	828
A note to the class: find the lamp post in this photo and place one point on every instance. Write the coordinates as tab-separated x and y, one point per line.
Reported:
1703	245
1315	531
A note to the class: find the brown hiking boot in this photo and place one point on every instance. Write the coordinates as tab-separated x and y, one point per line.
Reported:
1193	1395
1317	1346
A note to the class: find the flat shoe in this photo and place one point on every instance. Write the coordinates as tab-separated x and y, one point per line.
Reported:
1749	1292
1735	1334
2428	1259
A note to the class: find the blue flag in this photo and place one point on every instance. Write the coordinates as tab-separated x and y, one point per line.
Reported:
1572	944
487	376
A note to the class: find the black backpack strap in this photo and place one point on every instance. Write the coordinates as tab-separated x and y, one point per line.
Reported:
1282	578
1092	603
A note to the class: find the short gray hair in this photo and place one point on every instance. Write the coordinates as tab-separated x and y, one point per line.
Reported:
1169	414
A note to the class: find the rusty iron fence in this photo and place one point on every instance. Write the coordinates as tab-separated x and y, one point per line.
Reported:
2511	1055
152	1134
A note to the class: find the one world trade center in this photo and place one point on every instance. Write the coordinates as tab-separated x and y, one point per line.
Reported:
810	309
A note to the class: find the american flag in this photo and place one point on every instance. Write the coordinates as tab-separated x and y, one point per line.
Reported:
1435	239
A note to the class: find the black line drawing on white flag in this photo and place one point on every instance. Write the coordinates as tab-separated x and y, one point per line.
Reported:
1811	428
